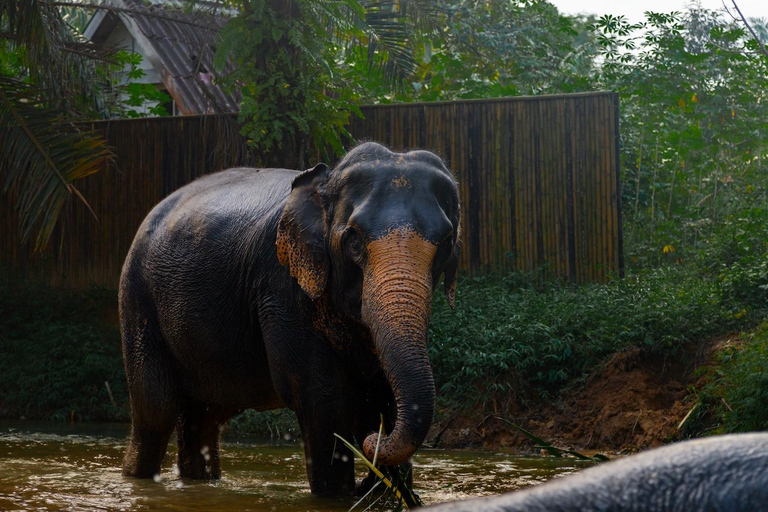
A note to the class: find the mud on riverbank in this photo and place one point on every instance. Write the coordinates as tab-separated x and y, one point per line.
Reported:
633	402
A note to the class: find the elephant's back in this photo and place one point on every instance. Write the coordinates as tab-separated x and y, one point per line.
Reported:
235	197
222	208
723	473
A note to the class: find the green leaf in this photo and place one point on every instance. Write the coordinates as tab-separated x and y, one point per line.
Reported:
43	155
233	34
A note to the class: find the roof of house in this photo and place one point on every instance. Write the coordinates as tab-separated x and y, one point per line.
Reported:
179	43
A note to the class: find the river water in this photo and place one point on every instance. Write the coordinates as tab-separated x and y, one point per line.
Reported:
77	468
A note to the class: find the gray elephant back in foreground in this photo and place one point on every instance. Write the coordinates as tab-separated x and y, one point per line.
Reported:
725	473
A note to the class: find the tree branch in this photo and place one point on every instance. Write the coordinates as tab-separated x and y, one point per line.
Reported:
735	52
749	27
89	53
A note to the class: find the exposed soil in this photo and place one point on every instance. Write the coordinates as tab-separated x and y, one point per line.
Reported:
635	401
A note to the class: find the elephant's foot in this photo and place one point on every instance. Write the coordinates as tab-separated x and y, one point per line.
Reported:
145	455
196	466
135	467
197	435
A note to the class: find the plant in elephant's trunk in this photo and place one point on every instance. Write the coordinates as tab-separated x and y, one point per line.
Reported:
399	485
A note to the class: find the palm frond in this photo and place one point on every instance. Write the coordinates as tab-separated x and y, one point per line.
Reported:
43	154
387	30
390	41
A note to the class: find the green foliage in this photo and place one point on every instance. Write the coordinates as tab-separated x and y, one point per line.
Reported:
284	66
738	387
53	57
491	49
43	153
694	127
278	425
511	339
58	352
141	99
48	79
11	59
139	95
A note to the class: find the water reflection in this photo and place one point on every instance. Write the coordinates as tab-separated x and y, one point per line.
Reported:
51	467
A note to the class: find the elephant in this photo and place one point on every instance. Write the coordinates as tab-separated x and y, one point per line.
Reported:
719	474
269	288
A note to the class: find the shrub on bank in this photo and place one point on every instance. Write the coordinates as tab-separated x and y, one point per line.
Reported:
735	396
59	351
511	340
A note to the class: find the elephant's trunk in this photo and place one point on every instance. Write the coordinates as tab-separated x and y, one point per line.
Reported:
397	294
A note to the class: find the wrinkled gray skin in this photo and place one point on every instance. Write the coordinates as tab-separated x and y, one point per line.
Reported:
260	289
725	473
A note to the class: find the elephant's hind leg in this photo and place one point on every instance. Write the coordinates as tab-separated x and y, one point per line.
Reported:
197	433
151	427
154	399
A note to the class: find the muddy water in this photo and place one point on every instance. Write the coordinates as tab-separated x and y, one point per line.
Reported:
77	468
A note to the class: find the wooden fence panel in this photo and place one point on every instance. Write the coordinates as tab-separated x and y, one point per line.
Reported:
538	180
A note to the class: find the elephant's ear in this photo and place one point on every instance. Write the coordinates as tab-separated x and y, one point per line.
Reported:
301	232
451	269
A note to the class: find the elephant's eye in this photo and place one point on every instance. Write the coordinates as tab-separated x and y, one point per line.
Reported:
354	244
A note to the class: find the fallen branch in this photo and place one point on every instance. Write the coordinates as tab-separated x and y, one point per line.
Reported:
554	451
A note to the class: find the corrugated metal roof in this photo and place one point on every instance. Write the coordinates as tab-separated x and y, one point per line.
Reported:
182	45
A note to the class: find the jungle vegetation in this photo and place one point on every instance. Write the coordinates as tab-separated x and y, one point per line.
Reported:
694	126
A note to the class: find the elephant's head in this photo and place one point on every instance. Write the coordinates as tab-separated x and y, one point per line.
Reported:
376	233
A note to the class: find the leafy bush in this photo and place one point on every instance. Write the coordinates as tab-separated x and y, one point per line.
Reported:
279	425
737	392
512	340
58	351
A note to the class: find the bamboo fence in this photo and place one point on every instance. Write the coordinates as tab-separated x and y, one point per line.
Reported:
538	180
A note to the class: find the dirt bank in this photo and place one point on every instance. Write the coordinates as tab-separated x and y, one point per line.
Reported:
635	401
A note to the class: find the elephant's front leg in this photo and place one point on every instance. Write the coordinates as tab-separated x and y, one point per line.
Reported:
309	377
330	464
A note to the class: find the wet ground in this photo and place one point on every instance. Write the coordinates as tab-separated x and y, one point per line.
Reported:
77	468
